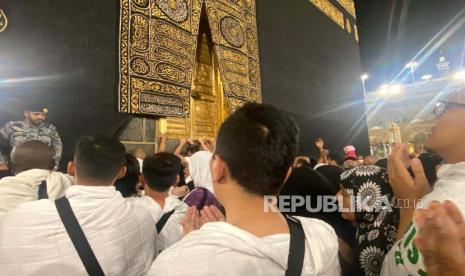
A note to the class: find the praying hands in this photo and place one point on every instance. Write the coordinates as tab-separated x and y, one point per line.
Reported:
441	238
194	219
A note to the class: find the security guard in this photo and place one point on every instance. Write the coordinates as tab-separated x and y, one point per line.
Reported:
33	127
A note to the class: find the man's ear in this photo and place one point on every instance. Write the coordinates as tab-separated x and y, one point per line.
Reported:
26	113
176	182
219	170
121	172
71	168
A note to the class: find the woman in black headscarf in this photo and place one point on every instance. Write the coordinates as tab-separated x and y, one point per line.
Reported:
127	185
333	174
310	184
367	190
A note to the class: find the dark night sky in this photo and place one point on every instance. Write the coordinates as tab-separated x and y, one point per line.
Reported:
393	31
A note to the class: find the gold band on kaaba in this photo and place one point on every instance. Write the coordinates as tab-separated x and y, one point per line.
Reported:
158	42
3	21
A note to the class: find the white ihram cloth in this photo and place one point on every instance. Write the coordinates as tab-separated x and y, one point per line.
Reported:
404	258
24	187
221	248
172	231
33	240
199	169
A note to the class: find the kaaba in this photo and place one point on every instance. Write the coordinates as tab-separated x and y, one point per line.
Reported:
66	55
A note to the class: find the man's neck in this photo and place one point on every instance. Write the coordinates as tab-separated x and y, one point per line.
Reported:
92	182
159	197
247	212
455	156
26	121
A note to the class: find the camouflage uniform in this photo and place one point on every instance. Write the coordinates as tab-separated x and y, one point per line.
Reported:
15	133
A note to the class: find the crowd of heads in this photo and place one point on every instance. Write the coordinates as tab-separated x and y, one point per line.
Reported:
256	156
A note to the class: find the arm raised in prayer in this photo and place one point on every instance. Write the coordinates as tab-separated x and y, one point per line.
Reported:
182	143
323	158
405	187
210	143
162	146
206	144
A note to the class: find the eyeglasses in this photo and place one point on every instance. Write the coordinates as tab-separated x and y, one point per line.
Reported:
442	107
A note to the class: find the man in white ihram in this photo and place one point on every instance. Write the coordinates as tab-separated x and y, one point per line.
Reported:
256	146
34	177
120	235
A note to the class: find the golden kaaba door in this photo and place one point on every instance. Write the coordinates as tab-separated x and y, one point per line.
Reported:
208	108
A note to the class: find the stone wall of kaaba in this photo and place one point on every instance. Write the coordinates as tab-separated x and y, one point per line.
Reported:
310	67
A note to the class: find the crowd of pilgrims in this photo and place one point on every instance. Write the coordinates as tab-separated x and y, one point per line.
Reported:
200	209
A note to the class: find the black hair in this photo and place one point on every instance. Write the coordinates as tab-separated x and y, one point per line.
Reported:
161	170
193	148
313	163
182	177
337	156
258	144
382	163
303	162
333	175
99	157
350	158
127	185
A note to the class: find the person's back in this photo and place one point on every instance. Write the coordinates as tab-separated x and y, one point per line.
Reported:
170	228
222	247
32	163
256	146
33	238
159	174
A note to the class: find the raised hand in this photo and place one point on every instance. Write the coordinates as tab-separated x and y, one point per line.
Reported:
407	189
320	143
183	141
191	220
211	214
210	143
441	239
403	184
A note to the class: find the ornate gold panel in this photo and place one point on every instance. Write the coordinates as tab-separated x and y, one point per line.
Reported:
336	15
158	41
349	6
348	26
234	32
356	32
330	10
3	21
158	66
207	100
